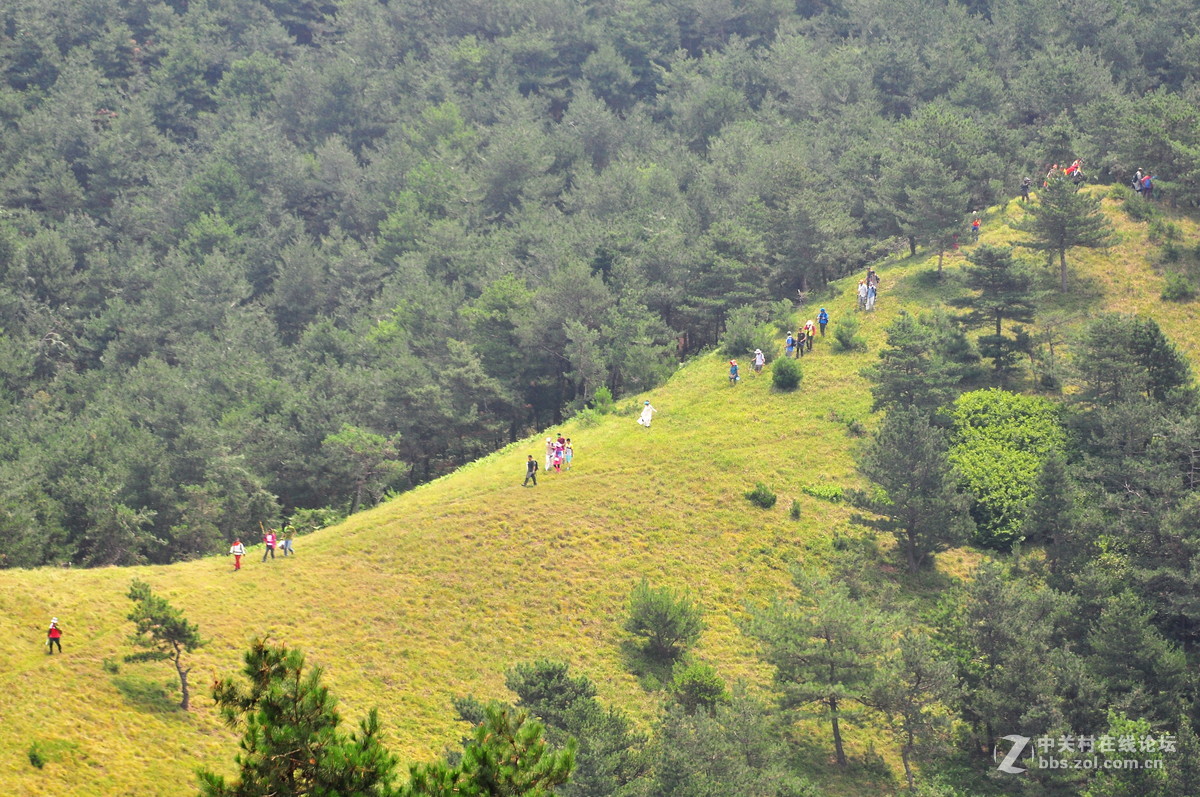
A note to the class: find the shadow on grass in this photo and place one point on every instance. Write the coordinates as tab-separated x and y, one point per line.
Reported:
145	694
653	674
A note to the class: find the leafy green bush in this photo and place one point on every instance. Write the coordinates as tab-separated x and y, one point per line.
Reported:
1140	209
826	492
846	337
306	521
586	418
761	495
1179	288
786	374
1120	192
781	316
36	756
110	665
1162	230
999	442
745	332
668	622
602	400
794	512
698	687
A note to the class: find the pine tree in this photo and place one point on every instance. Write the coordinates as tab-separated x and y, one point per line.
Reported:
920	503
1003	294
910	691
164	633
912	371
506	758
1062	219
824	650
292	743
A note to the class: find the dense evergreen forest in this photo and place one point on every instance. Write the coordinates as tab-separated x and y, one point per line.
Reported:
267	259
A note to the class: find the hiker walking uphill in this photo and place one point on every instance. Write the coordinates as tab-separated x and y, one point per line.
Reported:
269	542
789	345
823	320
760	360
810	333
531	470
238	550
647	415
801	342
862	294
285	541
53	637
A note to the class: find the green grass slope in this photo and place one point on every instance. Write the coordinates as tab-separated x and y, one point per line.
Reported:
435	593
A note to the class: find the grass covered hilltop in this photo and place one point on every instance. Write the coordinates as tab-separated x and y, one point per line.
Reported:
436	593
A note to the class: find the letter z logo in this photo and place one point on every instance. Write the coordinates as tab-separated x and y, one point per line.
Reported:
1014	753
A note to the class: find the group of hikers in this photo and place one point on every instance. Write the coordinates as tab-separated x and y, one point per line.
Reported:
868	289
560	453
793	346
271	541
1143	183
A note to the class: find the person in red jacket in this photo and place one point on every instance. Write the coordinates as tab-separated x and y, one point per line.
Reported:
269	541
54	637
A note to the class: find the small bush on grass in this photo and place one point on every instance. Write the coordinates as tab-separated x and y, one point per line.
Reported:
110	665
826	492
786	374
1179	288
602	400
846	337
698	687
668	623
794	512
761	495
1140	209
36	756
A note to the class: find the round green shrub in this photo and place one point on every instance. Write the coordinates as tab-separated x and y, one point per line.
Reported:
786	374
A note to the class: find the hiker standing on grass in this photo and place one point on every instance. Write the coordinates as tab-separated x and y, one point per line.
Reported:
789	345
975	228
530	471
53	637
1025	184
238	550
568	454
823	320
286	544
733	372
760	360
801	342
269	542
810	332
871	293
647	415
862	294
549	453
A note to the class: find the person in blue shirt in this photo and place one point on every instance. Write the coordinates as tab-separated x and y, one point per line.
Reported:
789	345
822	320
733	372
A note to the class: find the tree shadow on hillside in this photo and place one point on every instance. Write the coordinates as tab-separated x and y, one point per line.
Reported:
653	674
146	695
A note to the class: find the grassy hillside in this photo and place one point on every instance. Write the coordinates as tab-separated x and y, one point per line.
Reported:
435	593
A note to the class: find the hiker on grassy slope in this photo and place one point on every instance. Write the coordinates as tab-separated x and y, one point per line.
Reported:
531	469
823	320
53	637
647	415
269	542
285	544
238	550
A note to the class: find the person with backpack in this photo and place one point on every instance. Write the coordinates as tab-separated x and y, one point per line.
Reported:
823	320
53	637
789	345
1025	185
1148	186
531	470
810	332
238	550
269	541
